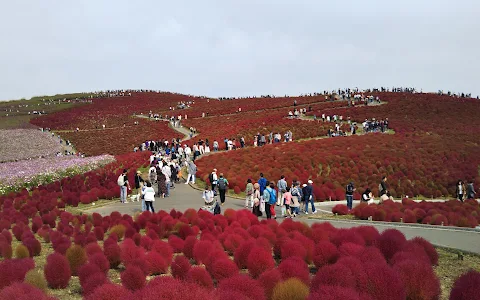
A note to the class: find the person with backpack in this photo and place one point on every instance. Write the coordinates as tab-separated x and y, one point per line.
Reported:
282	188
122	181
270	198
349	193
222	187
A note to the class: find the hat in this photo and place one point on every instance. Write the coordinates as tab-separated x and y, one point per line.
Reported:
310	181
304	185
138	172
215	170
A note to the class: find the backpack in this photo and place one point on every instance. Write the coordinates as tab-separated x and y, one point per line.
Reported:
222	185
217	210
210	178
120	180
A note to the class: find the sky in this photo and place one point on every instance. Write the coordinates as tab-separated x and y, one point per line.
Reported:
237	48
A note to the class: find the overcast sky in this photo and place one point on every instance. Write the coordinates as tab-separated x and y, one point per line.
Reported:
237	48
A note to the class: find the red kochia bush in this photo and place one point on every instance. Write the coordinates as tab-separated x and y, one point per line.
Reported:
390	241
100	260
466	287
340	209
244	285
76	256
180	267
295	267
337	274
12	270
223	268
189	245
130	251
419	279
113	254
242	252
93	281
57	271
259	260
109	291
428	247
383	283
164	249
201	250
200	276
133	278
19	290
328	292
164	287
293	248
268	280
156	263
176	243
86	271
325	253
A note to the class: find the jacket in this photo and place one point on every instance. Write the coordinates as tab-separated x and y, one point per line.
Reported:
263	184
192	168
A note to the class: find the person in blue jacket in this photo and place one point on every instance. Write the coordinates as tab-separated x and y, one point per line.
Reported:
263	183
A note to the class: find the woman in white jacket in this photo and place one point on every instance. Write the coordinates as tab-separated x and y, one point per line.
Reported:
149	197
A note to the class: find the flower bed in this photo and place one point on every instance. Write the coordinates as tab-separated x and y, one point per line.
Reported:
19	144
449	213
231	256
32	173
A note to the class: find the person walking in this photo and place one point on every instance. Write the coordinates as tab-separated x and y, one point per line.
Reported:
192	170
383	187
256	210
168	173
149	196
282	188
139	182
213	179
222	187
124	185
349	193
460	190
249	193
263	183
152	173
270	197
287	202
470	190
162	188
296	196
208	196
309	197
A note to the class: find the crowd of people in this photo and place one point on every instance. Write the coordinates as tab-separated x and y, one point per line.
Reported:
374	125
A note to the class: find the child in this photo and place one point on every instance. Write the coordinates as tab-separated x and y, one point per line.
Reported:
287	197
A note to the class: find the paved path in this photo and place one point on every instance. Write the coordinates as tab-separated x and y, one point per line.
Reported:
184	197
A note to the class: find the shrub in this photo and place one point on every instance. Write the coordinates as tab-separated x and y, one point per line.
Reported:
293	248
428	247
176	243
5	250
76	256
133	278
268	280
57	271
92	249
340	209
130	251
156	263
33	245
180	267
466	286
290	289
118	230
36	279
113	254
244	285
22	291
232	242
347	235
99	233
389	242
383	283
109	291
259	260
325	253
201	250
86	271
12	270
337	274
189	246
101	261
328	292
164	287
200	276
223	268
294	267
419	280
94	281
21	251
242	252
164	249
379	215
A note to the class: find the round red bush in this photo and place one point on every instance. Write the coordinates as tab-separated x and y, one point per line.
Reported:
268	280
429	249
109	291
242	252
259	260
244	285
113	254
189	245
293	248
101	261
57	271
130	251
325	253
12	270
389	242
383	283
201	250
327	292
176	243
200	276
180	267
466	287
93	281
295	267
19	290
156	263
133	278
87	270
331	275
340	209
223	268
419	279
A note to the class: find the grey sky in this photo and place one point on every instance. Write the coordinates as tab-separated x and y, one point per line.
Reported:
235	48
